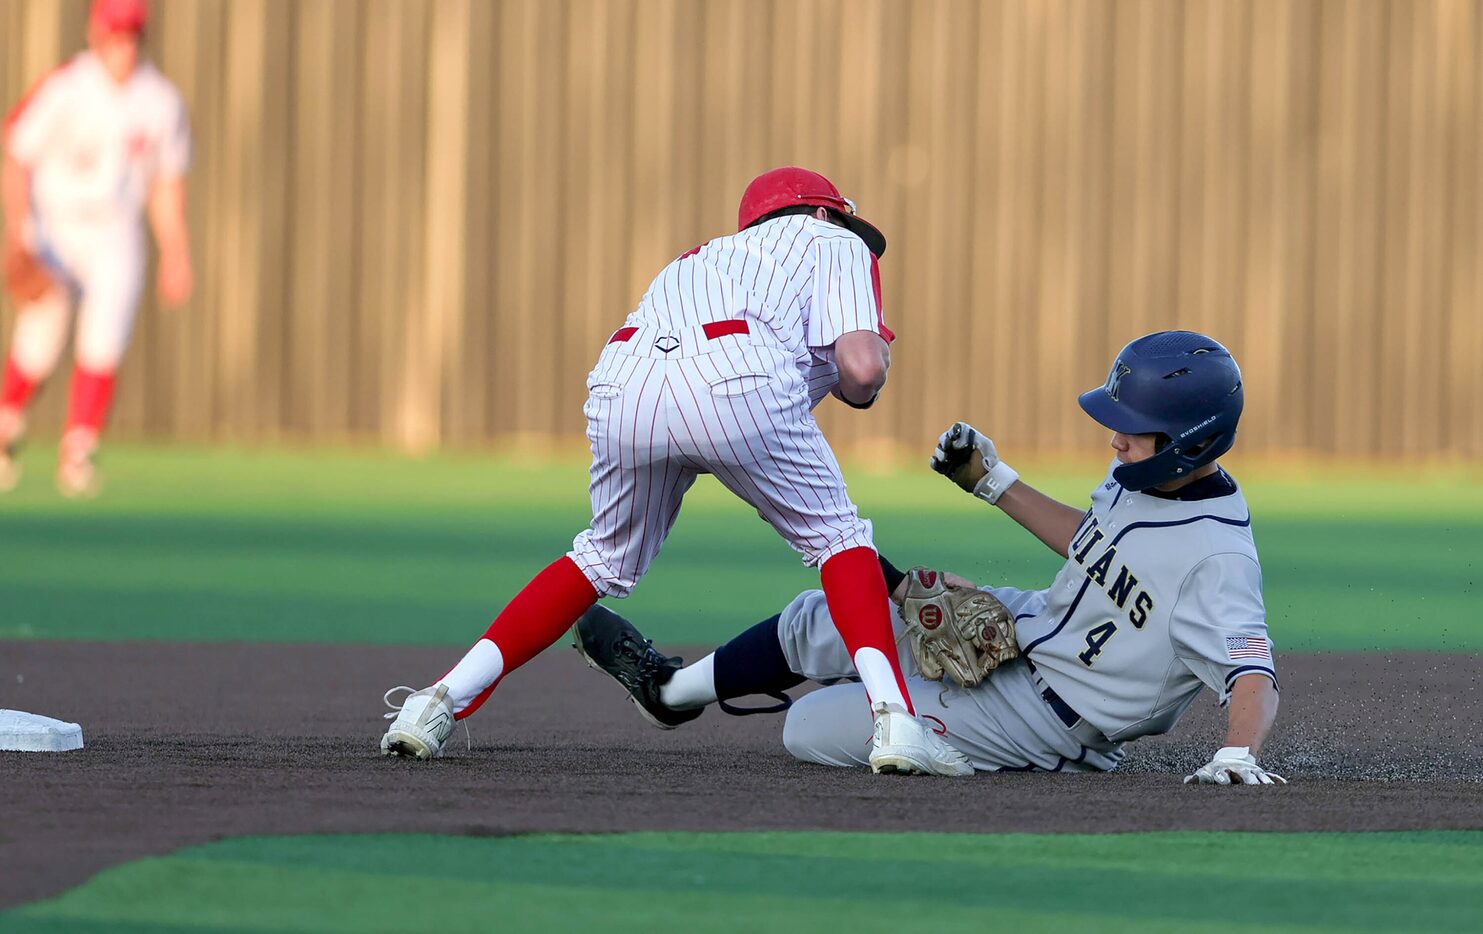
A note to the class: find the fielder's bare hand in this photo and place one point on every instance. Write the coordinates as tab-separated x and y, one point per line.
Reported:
167	216
176	280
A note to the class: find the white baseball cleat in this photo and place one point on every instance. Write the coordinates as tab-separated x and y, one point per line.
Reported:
904	745
12	430
77	475
10	472
420	726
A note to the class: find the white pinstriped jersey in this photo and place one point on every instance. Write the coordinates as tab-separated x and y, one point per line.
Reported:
1158	599
801	281
94	146
674	396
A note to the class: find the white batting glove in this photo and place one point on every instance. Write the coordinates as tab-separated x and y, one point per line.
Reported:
1234	765
967	457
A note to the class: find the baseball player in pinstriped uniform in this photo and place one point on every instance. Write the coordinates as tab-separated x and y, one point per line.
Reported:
93	145
717	372
1160	597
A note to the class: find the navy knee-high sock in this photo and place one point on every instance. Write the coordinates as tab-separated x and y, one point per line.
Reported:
753	663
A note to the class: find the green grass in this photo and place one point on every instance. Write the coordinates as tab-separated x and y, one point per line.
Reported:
336	546
790	881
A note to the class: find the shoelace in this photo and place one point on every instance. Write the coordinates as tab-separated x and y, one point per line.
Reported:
396	708
646	658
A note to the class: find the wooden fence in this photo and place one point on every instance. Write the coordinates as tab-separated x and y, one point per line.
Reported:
415	221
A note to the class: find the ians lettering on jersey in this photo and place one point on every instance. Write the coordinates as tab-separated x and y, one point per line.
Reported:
1134	625
1120	585
1239	647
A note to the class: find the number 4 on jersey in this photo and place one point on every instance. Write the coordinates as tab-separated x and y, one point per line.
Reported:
1095	640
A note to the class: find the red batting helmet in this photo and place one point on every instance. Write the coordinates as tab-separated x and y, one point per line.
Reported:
791	186
120	15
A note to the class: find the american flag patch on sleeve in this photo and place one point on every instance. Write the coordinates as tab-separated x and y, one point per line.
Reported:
1247	647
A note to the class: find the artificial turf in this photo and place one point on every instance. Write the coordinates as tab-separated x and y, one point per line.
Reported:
360	547
751	882
191	544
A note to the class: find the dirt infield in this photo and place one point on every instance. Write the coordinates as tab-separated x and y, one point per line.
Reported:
191	743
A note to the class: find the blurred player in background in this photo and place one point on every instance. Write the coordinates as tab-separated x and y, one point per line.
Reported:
92	146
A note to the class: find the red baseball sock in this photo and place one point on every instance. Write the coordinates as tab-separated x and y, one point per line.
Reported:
18	388
92	393
855	590
539	614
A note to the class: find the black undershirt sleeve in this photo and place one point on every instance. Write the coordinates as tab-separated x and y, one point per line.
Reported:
894	577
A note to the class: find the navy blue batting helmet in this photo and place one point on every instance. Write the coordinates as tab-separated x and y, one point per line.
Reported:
1179	384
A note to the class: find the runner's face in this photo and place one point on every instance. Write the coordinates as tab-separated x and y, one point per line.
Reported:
1133	448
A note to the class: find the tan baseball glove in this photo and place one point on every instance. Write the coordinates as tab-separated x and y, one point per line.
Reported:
957	631
26	280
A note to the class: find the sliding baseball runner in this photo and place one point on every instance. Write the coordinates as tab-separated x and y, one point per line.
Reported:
1160	597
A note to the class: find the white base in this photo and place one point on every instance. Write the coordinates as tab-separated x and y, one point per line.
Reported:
29	732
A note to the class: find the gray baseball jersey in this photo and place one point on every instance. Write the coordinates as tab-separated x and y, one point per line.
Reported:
1158	599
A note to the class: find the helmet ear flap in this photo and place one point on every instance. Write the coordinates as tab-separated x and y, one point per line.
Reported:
1174	462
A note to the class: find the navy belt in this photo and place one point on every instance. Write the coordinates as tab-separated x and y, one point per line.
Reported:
1061	709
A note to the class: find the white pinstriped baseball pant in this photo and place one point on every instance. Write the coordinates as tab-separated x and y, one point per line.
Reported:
666	405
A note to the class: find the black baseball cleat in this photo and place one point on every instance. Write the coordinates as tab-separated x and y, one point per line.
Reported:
610	644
